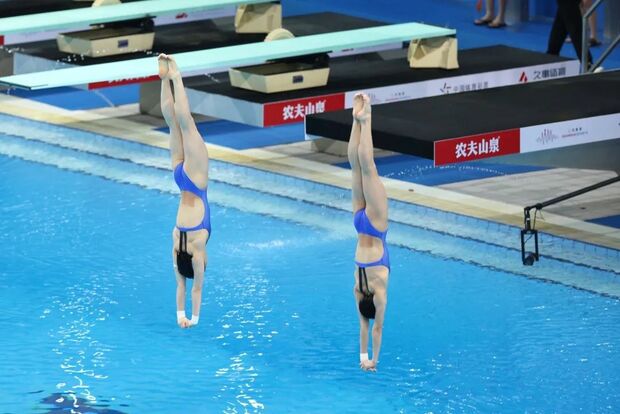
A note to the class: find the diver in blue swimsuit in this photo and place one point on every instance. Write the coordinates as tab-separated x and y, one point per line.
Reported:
370	220
190	163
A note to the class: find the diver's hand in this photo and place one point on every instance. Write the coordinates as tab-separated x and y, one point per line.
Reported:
368	365
184	323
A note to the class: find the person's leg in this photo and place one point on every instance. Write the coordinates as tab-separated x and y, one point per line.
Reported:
374	191
194	149
500	19
593	30
167	109
571	18
357	191
489	13
585	5
558	33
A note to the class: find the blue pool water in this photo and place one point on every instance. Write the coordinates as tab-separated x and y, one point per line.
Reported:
422	170
87	312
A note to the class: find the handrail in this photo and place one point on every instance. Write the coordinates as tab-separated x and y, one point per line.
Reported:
540	206
528	258
585	45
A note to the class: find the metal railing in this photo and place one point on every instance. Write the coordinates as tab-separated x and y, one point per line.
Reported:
529	227
585	44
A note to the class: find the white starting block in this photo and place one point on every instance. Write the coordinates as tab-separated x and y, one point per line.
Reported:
258	18
109	39
284	75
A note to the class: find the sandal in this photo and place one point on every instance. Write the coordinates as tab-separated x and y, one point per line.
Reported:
482	22
496	25
594	42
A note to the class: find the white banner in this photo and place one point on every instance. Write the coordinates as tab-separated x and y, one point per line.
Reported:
568	133
467	83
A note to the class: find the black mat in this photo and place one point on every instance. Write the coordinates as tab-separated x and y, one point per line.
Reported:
412	127
203	34
371	71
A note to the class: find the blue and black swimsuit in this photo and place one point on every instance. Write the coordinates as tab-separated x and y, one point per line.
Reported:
184	259
363	225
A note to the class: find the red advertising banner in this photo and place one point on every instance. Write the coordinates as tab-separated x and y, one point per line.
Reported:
107	84
475	147
1	40
295	110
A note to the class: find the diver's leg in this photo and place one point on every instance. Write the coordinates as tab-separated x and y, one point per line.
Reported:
195	151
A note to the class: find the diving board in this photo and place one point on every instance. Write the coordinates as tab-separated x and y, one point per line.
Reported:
212	60
107	14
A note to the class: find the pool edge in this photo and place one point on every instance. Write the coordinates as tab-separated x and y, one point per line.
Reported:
266	160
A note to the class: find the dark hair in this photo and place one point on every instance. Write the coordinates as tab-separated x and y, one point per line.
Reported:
184	264
367	307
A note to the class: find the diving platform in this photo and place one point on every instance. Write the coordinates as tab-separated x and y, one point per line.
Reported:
219	59
383	75
519	119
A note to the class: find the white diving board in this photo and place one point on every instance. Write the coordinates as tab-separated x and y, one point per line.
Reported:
113	13
205	61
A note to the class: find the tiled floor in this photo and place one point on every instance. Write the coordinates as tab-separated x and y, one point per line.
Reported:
534	187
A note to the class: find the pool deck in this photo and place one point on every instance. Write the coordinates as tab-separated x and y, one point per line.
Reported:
498	199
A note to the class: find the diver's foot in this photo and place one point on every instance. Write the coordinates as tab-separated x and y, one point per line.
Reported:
173	69
364	112
358	104
162	60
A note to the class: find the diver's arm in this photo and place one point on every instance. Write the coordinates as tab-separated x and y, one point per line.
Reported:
380	301
364	325
199	264
182	320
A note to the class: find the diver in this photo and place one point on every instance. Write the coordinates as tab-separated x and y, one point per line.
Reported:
190	163
370	218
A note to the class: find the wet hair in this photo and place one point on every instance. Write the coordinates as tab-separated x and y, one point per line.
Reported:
366	307
184	259
184	264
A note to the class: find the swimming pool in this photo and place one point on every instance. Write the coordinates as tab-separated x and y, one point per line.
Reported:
87	298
